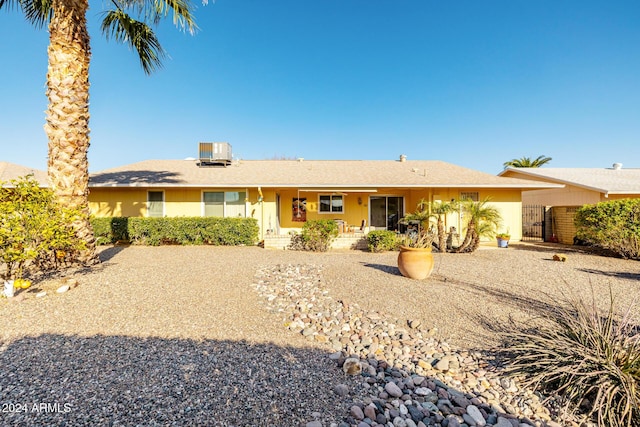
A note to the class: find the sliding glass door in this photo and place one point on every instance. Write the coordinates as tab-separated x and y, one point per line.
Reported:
386	211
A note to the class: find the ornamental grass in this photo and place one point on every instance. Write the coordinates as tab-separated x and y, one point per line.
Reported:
587	359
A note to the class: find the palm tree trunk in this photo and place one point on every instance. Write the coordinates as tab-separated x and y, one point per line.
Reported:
475	242
67	122
442	238
468	238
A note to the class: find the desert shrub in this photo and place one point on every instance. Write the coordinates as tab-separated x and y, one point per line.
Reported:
34	230
316	235
613	225
297	242
381	240
177	230
590	360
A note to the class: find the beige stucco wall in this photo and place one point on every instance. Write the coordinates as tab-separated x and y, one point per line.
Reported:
568	196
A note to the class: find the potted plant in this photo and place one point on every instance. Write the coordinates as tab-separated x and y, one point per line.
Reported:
503	239
415	259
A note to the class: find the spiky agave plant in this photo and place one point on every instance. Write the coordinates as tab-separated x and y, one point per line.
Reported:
590	359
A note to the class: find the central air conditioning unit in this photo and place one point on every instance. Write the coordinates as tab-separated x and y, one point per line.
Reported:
214	153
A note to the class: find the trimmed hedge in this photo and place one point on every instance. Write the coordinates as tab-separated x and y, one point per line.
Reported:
613	225
176	231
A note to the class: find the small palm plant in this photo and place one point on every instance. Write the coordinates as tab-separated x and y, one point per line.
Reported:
483	221
589	359
440	210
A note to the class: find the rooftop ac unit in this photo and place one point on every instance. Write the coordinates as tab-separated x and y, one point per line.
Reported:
214	153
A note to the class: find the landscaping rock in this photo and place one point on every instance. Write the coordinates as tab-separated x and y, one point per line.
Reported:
414	379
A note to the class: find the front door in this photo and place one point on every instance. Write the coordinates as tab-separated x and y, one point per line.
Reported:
386	211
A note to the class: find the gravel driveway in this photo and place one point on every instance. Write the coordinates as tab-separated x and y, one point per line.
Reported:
178	335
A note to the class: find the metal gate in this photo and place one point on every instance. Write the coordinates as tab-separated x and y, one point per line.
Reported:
533	224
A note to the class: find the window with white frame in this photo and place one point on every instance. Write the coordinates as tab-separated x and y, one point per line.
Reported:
331	204
155	204
224	203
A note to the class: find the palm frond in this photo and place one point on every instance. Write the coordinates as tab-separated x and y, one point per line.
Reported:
526	162
155	10
37	12
9	3
138	35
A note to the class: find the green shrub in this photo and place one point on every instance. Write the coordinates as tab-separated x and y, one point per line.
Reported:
109	230
316	235
590	360
613	225
34	230
177	230
381	240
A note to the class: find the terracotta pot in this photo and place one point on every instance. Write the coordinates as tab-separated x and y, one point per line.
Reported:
415	263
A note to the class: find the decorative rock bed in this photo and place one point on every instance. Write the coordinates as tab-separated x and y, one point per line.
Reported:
412	378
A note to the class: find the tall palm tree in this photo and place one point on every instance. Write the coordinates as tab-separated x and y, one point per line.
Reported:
69	53
526	162
483	221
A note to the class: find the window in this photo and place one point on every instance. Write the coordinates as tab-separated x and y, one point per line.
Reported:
224	203
472	195
331	204
155	204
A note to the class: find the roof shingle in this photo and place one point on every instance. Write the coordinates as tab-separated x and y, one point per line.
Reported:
10	171
304	174
605	180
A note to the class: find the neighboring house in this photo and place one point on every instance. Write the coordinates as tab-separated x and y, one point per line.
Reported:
11	171
283	194
581	186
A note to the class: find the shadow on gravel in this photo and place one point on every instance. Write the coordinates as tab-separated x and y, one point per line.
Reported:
533	307
616	274
544	247
502	296
384	268
119	380
110	252
562	248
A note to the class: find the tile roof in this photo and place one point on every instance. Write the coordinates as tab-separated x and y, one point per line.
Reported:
604	180
305	174
9	171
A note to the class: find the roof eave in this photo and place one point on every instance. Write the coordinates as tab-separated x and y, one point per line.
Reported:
323	186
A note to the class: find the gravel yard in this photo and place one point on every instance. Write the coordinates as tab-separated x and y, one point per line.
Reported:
179	336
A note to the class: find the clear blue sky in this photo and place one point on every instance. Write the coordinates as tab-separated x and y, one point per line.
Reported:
470	82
